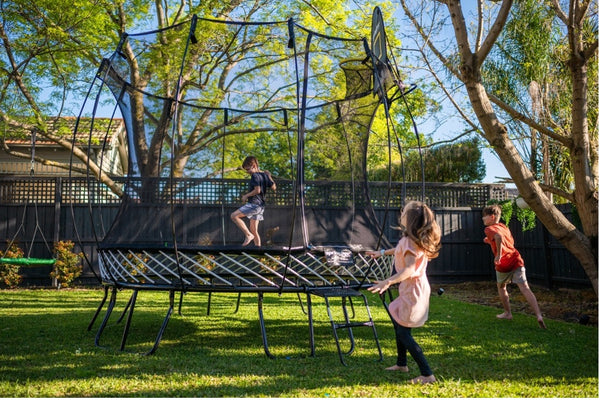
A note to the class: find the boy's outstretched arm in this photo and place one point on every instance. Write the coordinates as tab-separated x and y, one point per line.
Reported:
273	186
498	240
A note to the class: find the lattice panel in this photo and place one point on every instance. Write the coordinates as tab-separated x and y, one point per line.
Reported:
234	272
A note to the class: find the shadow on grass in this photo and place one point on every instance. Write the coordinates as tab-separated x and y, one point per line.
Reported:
44	340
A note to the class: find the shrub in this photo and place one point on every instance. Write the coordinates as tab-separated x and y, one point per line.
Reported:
9	273
68	266
525	216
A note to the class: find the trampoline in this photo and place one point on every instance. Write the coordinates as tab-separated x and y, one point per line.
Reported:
285	92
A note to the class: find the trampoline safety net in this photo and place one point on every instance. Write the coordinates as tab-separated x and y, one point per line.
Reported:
203	88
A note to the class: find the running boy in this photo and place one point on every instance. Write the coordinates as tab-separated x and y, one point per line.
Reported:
254	199
508	262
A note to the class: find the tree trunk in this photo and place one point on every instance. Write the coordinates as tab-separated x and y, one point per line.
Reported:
556	223
583	246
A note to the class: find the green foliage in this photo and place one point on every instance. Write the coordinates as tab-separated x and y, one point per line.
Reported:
9	273
68	266
269	138
56	45
525	216
455	162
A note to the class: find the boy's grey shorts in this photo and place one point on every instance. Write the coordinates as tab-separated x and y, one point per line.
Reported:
252	211
515	276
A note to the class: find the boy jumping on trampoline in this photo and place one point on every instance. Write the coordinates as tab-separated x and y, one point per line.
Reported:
420	242
254	199
508	262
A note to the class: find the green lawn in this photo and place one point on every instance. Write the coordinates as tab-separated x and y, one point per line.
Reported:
46	351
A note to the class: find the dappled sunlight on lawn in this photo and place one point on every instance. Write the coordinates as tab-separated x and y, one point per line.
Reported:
46	351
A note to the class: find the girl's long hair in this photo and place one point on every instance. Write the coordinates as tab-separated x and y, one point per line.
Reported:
422	228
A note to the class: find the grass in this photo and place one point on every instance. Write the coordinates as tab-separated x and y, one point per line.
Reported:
46	351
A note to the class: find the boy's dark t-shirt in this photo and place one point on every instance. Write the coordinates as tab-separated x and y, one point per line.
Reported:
260	179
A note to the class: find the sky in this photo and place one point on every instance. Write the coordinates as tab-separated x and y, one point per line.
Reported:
494	168
453	125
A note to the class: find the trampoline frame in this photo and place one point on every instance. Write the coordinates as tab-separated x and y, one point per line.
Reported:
322	271
230	275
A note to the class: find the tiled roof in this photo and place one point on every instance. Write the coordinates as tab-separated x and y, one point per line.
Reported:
64	126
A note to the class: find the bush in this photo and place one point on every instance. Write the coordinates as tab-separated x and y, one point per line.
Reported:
525	216
9	273
68	266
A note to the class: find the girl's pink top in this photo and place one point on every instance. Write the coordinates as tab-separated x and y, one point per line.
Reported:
411	307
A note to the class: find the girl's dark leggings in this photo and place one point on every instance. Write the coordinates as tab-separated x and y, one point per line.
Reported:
405	342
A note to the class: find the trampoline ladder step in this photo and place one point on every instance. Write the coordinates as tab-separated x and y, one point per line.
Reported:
354	325
346	295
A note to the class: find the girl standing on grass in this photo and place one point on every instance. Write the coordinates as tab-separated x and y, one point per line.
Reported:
420	242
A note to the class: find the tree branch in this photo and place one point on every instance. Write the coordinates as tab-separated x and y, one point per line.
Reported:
559	12
559	192
583	9
427	41
494	32
479	25
540	128
460	31
547	188
434	144
448	95
590	51
16	76
40	160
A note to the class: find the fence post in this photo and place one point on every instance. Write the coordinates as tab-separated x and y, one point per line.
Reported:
57	204
547	256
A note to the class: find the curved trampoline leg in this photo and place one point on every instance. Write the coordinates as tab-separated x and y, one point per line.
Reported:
111	305
334	326
126	308
89	328
237	304
372	323
347	319
300	301
208	303
352	307
263	331
180	303
311	328
164	324
131	306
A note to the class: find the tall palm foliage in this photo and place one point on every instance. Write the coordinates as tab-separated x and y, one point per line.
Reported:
528	71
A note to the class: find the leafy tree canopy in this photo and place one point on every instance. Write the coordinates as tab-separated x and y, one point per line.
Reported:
455	162
52	49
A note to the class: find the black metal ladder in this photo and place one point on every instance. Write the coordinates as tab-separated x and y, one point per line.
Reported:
346	294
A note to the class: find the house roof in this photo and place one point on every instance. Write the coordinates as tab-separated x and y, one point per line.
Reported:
64	126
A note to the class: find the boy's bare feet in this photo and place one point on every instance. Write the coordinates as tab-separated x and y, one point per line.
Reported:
423	379
541	322
397	368
248	240
504	315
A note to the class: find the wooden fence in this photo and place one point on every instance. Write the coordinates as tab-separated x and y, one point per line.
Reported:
63	214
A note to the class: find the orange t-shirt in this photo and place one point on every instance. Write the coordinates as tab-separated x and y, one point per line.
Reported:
511	258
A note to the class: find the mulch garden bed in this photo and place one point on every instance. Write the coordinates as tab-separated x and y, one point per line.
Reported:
571	305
